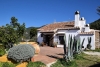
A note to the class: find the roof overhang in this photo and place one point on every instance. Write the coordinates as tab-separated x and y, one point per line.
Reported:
87	33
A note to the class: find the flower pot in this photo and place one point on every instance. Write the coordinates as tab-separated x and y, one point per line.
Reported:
37	48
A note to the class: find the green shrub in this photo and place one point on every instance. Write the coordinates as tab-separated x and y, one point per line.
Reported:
35	64
2	50
71	64
78	56
7	64
97	50
21	53
1	64
64	63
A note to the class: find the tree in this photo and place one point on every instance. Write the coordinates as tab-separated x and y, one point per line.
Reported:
98	10
11	33
95	25
33	32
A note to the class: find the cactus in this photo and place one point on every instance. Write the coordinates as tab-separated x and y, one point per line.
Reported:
68	51
89	43
65	45
82	43
74	47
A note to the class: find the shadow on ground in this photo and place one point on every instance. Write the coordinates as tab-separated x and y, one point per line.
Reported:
56	57
61	54
95	65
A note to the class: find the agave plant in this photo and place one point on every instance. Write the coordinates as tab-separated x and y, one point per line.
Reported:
82	43
69	55
65	45
74	47
89	43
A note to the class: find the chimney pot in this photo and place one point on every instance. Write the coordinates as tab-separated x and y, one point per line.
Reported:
77	12
82	18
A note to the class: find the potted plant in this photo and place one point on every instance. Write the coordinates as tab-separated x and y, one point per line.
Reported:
55	44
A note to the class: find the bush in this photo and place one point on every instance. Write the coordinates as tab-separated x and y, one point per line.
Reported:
64	63
78	57
2	50
35	64
7	64
21	53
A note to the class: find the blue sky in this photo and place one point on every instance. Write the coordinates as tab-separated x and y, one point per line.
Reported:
40	12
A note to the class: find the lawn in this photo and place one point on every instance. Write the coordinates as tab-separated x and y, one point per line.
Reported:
81	61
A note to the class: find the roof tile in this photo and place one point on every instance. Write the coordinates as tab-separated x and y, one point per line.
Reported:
53	26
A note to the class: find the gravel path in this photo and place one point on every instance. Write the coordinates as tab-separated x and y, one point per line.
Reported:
92	53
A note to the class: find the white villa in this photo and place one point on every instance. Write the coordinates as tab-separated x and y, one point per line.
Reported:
55	32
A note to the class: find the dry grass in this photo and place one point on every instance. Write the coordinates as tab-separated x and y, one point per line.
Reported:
85	61
88	61
22	64
4	59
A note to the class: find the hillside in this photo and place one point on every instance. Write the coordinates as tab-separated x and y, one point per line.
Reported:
29	28
28	31
95	25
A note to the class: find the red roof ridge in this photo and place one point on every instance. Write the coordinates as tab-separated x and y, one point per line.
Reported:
53	26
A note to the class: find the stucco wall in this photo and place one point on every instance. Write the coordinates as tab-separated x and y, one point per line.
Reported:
67	33
58	32
39	38
56	36
73	33
82	23
86	40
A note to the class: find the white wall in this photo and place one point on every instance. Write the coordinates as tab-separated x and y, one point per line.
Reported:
73	33
86	40
82	23
77	23
58	32
39	38
61	31
87	29
56	36
67	33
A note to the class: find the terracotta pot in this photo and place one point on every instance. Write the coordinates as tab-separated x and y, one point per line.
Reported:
37	48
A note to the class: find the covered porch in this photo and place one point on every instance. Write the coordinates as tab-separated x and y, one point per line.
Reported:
59	39
48	38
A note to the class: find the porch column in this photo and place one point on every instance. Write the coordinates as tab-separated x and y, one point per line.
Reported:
58	40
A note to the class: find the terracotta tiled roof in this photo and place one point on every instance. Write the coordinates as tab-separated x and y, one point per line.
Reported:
91	32
69	28
54	26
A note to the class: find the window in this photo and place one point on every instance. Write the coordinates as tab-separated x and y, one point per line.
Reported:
41	34
61	39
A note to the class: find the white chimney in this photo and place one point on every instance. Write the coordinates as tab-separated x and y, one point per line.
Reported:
77	16
82	22
87	28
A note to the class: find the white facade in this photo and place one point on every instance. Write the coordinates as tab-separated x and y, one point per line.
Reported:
79	22
82	22
39	38
77	19
76	34
86	40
